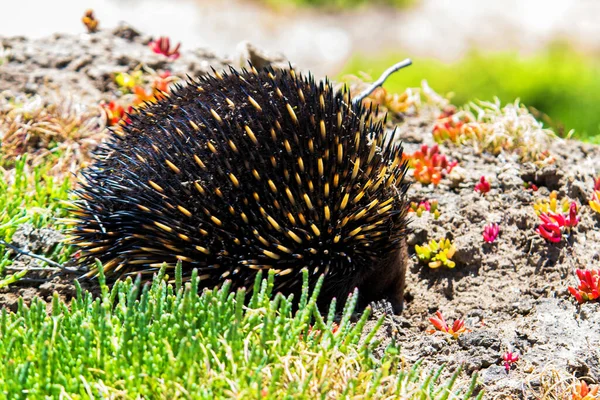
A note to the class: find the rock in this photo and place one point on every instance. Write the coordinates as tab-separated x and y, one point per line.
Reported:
246	51
80	62
126	32
419	230
94	59
29	238
509	180
502	380
456	177
548	176
578	190
468	249
483	338
47	289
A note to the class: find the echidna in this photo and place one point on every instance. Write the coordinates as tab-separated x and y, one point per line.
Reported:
244	171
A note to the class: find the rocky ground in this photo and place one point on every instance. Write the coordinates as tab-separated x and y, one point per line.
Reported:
512	293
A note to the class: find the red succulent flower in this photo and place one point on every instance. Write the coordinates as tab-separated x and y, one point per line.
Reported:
162	45
571	221
458	327
589	286
553	224
550	232
449	126
510	359
530	186
483	186
490	232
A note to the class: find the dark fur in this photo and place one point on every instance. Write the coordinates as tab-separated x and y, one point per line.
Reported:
141	206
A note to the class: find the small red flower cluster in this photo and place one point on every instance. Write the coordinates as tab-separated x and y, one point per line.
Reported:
490	232
530	186
162	45
553	224
449	127
117	112
510	359
430	166
589	285
483	186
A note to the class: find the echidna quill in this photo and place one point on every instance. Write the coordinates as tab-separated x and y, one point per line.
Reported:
245	171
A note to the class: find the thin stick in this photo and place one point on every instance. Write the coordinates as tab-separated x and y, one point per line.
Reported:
32	255
381	80
46	269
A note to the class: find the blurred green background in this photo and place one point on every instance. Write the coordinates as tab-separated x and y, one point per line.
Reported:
557	81
560	85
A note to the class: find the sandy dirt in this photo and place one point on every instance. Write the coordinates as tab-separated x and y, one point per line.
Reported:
512	293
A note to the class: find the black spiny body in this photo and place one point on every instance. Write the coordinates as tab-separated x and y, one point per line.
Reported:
247	171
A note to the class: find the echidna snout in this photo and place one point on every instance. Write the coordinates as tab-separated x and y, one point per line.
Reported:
245	171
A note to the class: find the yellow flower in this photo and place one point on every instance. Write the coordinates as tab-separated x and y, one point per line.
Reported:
595	202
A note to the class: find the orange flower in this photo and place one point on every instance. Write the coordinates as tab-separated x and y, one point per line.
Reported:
161	83
141	96
115	113
430	166
581	391
90	22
